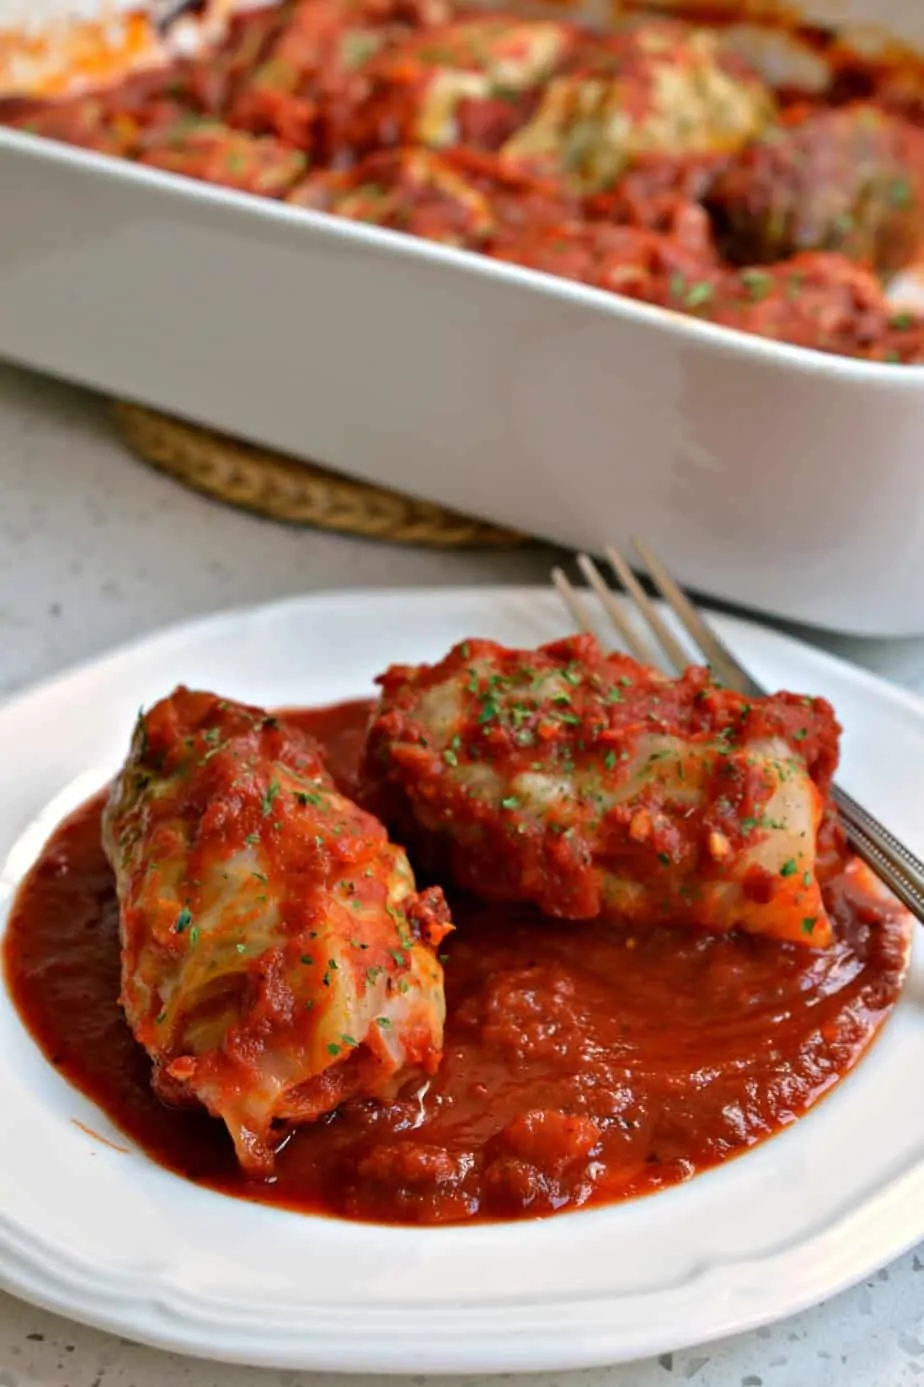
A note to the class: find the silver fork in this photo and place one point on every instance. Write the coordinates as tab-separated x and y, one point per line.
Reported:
892	862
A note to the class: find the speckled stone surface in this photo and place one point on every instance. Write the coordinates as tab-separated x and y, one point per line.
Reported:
96	549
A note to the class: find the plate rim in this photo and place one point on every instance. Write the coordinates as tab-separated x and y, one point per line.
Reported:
436	593
153	1317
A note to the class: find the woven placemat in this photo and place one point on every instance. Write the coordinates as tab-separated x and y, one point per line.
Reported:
270	484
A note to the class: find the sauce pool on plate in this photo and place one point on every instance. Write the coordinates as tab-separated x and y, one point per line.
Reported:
582	1065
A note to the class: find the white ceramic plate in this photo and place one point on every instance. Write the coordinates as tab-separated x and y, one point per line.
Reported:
108	1238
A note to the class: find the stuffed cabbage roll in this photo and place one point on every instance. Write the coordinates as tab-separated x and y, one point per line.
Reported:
656	88
597	788
458	197
847	180
276	957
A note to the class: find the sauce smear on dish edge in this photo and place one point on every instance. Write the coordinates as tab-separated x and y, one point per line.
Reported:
583	1065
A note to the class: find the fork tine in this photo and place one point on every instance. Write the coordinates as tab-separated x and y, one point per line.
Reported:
895	864
572	601
678	657
724	664
634	644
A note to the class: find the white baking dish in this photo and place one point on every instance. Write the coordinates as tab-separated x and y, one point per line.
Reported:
781	479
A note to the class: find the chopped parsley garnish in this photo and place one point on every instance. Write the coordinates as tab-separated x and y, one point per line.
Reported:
757	283
664	859
809	923
333	1048
183	920
511	802
383	1022
789	868
698	294
609	760
357	47
305	958
194	936
806	878
272	790
304	798
235	161
450	757
398	957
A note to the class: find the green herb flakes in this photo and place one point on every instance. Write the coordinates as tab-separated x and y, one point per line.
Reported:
698	294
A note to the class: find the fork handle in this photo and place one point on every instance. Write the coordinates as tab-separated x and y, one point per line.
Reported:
898	867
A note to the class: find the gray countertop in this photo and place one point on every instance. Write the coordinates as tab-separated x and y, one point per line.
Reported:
95	549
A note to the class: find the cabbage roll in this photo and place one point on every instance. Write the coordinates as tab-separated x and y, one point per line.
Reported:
276	956
594	787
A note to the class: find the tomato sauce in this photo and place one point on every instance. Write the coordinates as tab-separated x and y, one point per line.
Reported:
582	1065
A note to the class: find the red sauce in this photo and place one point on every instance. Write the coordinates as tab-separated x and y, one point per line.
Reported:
581	1066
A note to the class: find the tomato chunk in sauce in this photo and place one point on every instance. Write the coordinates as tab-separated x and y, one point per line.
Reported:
582	1065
